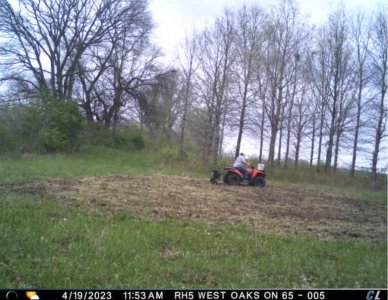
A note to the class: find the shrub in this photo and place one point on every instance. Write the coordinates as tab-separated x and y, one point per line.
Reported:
127	138
138	141
169	153
6	142
19	129
53	140
48	125
62	122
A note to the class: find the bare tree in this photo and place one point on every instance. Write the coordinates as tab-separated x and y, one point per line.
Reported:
320	81
214	77
48	38
316	76
259	119
279	51
361	38
290	107
247	42
112	76
338	55
300	117
188	66
379	67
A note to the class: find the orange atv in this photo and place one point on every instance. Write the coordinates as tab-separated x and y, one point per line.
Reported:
233	176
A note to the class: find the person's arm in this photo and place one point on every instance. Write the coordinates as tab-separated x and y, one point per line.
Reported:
247	164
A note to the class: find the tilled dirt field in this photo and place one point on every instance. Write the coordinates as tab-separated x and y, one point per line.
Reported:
281	209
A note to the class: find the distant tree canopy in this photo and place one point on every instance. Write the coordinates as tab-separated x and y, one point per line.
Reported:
303	92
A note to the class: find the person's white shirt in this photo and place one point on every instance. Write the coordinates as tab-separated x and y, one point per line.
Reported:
240	162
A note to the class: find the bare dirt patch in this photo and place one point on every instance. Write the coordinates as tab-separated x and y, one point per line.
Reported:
282	209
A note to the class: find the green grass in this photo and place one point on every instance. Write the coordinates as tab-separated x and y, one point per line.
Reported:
304	173
94	162
97	161
46	244
340	182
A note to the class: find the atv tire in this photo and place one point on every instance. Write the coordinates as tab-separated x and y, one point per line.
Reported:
259	181
232	179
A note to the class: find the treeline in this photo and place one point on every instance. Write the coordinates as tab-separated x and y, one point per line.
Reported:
302	91
272	75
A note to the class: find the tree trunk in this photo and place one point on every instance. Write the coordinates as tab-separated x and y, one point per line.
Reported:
208	140
312	143
332	131
297	148
378	138
241	123
222	135
357	129
184	116
272	142
320	138
280	140
336	151
262	135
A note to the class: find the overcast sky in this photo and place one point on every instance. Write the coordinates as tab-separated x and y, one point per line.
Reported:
174	18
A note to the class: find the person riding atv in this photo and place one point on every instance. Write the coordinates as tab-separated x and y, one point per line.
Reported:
240	163
241	172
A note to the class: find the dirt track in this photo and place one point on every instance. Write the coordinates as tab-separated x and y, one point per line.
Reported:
279	209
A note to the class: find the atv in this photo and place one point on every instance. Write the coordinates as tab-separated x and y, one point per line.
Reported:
232	176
